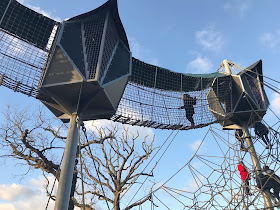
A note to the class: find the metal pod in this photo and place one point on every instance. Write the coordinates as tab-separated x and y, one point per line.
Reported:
89	67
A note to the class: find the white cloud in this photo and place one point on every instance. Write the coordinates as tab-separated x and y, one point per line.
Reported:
210	39
143	131
25	197
195	145
194	184
275	103
14	192
7	206
142	53
270	40
200	146
200	65
39	10
238	7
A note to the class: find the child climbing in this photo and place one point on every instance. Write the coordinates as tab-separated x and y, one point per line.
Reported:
245	176
239	136
273	181
262	132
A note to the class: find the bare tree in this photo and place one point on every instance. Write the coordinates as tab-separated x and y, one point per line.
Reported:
117	167
110	161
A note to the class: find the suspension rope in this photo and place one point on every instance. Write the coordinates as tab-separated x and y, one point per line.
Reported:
177	171
91	155
47	205
82	176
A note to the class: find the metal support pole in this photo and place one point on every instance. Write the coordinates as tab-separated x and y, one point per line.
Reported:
226	65
257	165
67	170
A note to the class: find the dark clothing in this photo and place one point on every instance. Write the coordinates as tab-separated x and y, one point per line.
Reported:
189	102
266	182
262	132
238	135
246	187
260	129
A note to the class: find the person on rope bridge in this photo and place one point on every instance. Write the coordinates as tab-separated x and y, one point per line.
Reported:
189	102
245	176
238	135
262	132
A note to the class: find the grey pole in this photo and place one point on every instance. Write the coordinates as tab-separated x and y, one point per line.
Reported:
67	170
257	165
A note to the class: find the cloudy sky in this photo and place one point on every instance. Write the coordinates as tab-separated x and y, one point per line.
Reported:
183	36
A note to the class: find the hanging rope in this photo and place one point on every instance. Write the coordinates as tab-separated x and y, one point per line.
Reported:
47	205
81	172
91	155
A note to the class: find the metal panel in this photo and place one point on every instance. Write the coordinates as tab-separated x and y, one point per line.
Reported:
61	70
115	91
120	64
71	41
93	30
111	41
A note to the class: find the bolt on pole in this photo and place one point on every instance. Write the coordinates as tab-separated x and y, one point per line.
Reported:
257	165
67	169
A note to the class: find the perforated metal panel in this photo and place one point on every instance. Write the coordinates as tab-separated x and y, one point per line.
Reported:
120	64
72	43
111	41
255	90
93	30
219	97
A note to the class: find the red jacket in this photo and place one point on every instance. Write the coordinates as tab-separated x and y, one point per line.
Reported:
243	172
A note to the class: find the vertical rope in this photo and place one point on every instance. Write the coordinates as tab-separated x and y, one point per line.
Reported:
155	83
81	171
91	155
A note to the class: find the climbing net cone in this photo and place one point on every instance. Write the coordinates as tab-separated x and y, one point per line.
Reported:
211	178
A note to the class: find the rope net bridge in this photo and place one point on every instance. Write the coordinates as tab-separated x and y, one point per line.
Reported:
153	96
36	53
25	41
31	47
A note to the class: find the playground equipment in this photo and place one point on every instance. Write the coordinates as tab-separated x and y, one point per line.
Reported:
82	69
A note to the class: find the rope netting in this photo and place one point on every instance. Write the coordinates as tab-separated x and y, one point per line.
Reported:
158	98
25	41
211	178
154	97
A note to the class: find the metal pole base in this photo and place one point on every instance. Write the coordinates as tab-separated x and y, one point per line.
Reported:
67	170
257	166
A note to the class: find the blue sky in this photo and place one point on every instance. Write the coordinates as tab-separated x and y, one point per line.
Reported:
183	36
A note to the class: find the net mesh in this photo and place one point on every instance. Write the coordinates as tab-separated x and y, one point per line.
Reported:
21	64
110	43
211	176
154	97
26	38
93	35
25	23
